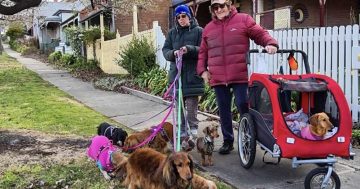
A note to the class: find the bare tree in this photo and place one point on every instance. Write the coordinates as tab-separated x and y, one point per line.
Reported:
124	6
10	7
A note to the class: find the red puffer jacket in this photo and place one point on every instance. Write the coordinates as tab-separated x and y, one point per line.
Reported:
224	46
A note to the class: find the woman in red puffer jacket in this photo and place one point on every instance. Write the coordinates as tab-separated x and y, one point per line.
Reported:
222	60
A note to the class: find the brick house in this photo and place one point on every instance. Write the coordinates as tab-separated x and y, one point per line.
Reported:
160	12
124	22
302	13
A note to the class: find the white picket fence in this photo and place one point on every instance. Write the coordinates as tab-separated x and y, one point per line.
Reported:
333	51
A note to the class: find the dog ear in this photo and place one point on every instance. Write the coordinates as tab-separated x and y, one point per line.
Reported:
314	119
170	171
206	130
191	163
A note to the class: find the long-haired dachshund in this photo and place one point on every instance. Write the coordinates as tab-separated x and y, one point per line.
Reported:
159	142
150	169
319	125
205	144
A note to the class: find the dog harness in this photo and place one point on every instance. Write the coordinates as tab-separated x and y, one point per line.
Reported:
305	133
111	130
100	150
209	145
162	133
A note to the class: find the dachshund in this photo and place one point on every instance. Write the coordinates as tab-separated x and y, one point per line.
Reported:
205	145
159	142
319	126
108	159
150	169
116	135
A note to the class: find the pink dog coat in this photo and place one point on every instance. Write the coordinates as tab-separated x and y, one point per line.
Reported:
305	133
100	150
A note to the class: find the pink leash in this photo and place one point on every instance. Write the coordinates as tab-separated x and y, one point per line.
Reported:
153	134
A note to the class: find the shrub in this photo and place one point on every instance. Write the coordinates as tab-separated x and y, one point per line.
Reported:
83	64
108	35
74	35
67	59
356	136
16	30
54	57
93	33
14	45
138	57
155	80
208	101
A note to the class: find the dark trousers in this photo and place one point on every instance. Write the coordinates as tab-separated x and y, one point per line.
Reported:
223	99
191	107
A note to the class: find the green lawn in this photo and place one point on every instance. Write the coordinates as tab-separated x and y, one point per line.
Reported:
78	174
28	102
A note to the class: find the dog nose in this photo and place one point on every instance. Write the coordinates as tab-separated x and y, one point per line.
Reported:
189	177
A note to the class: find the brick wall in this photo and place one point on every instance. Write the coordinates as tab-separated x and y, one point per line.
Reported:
124	23
336	12
246	7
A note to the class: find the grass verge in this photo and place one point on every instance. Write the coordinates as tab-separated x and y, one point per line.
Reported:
77	174
28	102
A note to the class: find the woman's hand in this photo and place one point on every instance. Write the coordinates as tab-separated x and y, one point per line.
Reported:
270	49
183	49
206	76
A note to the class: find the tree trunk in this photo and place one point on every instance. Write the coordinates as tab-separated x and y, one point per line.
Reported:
1	46
94	49
19	6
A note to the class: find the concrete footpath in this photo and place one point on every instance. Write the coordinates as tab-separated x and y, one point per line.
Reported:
130	109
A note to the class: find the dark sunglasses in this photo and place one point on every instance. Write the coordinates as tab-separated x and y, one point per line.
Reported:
181	16
216	6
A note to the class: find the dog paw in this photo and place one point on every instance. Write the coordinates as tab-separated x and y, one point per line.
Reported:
107	177
204	164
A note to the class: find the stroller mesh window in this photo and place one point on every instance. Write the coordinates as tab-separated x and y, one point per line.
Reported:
264	106
260	101
304	105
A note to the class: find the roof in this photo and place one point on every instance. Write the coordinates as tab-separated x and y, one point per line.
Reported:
49	8
92	15
53	19
57	13
69	19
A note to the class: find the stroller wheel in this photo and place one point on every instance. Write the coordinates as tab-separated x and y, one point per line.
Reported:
246	141
315	178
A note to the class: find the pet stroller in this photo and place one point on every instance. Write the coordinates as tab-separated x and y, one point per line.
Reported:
272	98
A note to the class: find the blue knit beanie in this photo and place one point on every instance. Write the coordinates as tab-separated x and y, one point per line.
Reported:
182	9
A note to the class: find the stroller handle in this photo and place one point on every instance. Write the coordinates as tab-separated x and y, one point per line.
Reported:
304	55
